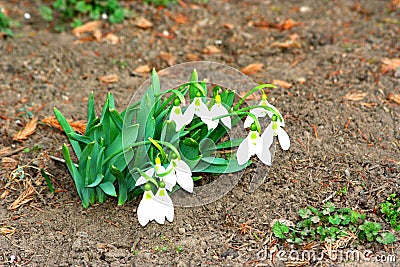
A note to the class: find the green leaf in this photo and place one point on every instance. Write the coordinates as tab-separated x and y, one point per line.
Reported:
386	238
84	140
108	188
91	114
305	213
155	82
280	230
48	181
192	88
46	13
68	129
335	219
215	161
233	166
79	182
96	182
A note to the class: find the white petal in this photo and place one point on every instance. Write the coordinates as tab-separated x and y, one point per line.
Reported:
146	208
150	172
243	152
200	109
140	181
188	115
184	176
207	119
248	121
178	118
267	137
165	206
283	138
263	153
259	112
277	111
170	180
219	110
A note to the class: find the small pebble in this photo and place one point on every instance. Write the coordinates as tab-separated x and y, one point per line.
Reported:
27	15
347	172
182	231
305	9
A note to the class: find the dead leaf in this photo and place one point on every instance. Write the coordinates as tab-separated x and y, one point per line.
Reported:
229	26
286	45
390	64
167	57
97	35
368	104
84	40
5	150
355	96
394	97
143	23
288	24
250	97
7	230
211	49
252	68
283	84
142	69
8	163
193	57
181	19
87	27
5	194
112	78
24	198
112	38
27	131
77	126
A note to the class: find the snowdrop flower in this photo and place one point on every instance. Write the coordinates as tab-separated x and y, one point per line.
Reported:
260	112
178	117
218	110
253	144
275	129
180	173
200	109
155	207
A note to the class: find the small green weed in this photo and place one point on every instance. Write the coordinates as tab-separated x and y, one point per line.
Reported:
77	11
329	225
5	24
391	209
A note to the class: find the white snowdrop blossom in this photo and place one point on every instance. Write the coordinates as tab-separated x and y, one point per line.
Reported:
253	144
260	112
182	175
155	207
275	129
200	109
181	119
218	110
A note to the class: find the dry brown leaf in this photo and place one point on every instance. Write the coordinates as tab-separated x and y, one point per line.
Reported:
5	194
143	23
390	64
355	96
87	27
229	26
143	69
167	57
288	24
8	163
7	230
287	44
112	38
97	35
24	198
77	126
252	68
283	84
181	19
5	150
84	40
27	131
112	78
250	97
394	97
193	57
211	49
369	104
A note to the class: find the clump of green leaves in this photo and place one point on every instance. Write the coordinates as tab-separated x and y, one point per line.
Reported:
5	24
329	225
391	209
77	11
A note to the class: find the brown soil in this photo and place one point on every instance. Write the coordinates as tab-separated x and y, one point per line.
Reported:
336	142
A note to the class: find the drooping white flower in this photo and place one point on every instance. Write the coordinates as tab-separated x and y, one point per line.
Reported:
275	129
155	207
218	110
260	112
253	144
181	119
182	175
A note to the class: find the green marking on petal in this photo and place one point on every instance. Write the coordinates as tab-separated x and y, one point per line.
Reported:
253	136
162	193
264	103
177	110
148	195
197	102
274	126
